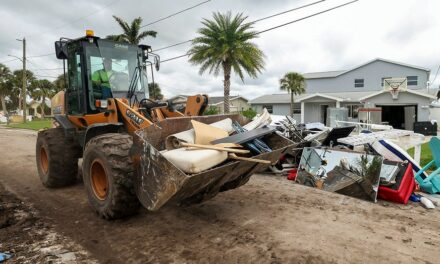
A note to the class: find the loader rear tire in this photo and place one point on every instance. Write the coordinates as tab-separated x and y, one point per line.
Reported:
108	176
57	158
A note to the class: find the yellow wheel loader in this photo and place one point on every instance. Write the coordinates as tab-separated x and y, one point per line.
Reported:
105	117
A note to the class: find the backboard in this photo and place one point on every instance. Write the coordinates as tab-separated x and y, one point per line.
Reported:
394	85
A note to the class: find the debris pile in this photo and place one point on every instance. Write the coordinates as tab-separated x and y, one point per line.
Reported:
366	165
191	159
208	145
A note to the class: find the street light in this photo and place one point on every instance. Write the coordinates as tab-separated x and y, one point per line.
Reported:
15	57
23	90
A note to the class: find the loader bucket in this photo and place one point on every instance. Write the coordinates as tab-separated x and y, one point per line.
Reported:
158	181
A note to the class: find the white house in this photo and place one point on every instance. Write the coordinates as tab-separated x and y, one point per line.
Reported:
360	86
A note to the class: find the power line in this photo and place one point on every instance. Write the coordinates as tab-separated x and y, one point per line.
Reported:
111	3
177	57
46	76
78	19
71	22
8	61
288	11
258	20
170	46
174	14
312	15
435	77
52	69
278	26
42	55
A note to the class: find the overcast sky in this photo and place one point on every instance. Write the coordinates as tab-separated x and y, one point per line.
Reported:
400	30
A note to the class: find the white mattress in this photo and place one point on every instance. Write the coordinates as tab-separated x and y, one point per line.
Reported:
195	160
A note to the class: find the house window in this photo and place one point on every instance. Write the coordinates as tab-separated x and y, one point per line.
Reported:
383	80
269	108
353	110
412	80
358	83
297	110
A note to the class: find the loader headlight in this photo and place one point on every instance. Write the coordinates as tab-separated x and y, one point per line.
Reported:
101	103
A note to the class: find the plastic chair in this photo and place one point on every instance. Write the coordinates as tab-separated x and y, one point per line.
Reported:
431	184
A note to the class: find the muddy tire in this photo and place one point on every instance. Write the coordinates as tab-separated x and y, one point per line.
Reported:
108	176
57	158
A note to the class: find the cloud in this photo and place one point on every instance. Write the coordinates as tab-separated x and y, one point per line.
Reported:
405	31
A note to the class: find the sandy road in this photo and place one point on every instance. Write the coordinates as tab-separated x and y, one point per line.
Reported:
269	220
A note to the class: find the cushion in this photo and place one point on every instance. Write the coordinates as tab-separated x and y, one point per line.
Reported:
195	160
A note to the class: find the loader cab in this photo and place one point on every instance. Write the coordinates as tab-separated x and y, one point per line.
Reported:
98	69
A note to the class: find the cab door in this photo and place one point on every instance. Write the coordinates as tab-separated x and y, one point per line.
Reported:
75	96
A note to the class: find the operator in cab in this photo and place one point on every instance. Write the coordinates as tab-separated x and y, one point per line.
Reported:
101	80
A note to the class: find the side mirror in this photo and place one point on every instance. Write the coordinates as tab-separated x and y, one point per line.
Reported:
61	50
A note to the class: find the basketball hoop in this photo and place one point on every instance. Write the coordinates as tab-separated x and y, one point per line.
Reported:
395	93
394	86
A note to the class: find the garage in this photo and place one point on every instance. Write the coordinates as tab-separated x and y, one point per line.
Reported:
399	116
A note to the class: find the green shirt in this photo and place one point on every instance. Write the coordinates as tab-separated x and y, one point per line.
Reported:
101	77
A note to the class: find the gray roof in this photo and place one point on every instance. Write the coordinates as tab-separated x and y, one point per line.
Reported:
213	99
343	96
326	74
220	99
275	99
331	74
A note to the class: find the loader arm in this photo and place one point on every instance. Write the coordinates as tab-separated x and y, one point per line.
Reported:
118	110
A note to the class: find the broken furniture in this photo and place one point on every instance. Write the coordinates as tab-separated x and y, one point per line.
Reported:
245	136
364	126
393	152
195	161
404	138
345	172
188	136
336	133
403	187
431	182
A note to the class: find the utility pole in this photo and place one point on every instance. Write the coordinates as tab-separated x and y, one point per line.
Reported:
23	90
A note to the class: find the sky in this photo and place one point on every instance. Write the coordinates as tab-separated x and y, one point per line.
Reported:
400	30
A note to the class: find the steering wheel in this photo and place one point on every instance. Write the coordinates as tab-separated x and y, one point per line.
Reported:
119	81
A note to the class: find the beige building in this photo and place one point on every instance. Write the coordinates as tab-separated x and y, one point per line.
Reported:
236	103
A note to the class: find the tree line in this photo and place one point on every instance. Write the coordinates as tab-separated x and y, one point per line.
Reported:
38	89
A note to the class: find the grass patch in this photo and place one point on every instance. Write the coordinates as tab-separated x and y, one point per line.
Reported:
33	125
425	156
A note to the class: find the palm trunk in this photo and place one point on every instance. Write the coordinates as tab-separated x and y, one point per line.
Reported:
2	98
291	103
226	86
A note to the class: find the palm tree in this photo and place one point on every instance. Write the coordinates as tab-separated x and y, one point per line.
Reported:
42	89
5	84
60	83
17	84
294	83
131	33
224	45
154	91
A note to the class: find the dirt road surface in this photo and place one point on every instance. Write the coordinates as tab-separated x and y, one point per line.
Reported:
269	220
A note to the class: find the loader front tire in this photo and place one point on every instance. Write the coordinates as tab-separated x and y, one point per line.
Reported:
57	158
108	176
